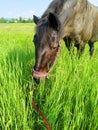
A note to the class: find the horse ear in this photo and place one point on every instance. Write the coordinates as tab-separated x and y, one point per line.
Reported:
54	21
36	19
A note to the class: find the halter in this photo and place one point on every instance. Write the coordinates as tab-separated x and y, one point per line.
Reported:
38	74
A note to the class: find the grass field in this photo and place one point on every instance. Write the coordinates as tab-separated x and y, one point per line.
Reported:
68	98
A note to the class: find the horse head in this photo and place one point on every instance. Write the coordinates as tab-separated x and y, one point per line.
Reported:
47	44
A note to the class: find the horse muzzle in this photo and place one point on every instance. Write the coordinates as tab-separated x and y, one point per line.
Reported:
37	75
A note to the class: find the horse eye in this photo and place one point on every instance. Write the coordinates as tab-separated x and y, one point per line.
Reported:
54	48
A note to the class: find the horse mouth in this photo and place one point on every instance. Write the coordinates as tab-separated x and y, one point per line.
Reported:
37	74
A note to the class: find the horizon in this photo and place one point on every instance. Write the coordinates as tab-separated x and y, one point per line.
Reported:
25	9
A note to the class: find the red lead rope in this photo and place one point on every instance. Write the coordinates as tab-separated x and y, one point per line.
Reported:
41	115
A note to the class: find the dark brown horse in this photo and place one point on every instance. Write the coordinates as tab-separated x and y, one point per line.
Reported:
64	19
70	44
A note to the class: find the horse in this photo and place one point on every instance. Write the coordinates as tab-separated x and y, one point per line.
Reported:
70	44
63	19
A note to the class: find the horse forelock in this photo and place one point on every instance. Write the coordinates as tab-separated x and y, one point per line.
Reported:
42	27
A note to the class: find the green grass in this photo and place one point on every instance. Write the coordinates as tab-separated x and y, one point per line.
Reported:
68	98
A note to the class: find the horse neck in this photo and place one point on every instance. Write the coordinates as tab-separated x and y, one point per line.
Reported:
58	6
66	10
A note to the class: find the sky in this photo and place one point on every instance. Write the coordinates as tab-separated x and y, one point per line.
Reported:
25	8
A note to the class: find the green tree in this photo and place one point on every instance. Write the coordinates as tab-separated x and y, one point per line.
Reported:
2	20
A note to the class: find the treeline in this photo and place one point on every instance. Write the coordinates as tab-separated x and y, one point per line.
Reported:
16	20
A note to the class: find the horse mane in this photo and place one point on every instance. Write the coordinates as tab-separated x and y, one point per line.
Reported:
57	6
72	14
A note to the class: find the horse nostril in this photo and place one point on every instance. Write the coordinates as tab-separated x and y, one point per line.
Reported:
35	68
